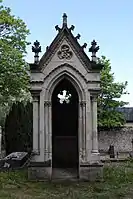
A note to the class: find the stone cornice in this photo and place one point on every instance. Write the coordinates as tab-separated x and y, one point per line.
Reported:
73	68
36	81
93	82
94	91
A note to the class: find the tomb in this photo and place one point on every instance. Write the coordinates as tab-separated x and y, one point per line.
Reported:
65	85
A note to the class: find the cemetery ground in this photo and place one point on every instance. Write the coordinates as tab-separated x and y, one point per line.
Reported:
117	183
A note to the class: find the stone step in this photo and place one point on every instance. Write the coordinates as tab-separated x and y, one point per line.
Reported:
67	173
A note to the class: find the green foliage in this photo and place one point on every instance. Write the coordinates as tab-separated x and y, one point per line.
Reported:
117	183
14	80
109	98
18	128
13	68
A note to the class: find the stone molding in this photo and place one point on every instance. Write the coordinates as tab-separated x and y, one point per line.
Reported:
36	81
68	66
94	82
52	53
94	91
41	164
36	152
99	164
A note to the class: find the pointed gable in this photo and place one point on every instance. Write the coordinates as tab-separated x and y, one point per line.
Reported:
65	32
65	36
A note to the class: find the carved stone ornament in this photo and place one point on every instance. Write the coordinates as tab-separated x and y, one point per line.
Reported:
47	103
82	103
65	52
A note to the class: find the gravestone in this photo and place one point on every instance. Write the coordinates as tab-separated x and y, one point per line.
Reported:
111	151
14	160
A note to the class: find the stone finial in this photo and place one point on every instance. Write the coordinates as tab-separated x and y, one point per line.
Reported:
64	19
72	27
78	36
94	49
47	48
57	28
36	49
84	46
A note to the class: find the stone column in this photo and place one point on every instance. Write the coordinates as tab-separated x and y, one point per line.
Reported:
88	129
36	149
47	131
41	128
46	123
94	125
50	132
80	133
83	130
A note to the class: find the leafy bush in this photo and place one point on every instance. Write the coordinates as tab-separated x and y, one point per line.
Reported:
18	128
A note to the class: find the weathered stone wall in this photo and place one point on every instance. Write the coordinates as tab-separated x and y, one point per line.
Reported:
121	139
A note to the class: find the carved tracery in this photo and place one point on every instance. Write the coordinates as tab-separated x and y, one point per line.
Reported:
65	52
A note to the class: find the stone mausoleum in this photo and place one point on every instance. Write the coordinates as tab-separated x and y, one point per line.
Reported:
65	84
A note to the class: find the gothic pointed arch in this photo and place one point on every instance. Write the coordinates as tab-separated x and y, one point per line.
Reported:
65	71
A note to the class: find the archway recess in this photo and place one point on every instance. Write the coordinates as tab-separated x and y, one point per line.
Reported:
65	103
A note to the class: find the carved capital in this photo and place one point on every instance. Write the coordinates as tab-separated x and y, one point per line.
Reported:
83	103
47	103
35	97
94	98
35	94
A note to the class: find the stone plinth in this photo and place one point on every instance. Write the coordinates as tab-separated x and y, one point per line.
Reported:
87	172
91	172
39	171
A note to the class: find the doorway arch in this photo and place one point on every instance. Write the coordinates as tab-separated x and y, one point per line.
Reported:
76	82
65	110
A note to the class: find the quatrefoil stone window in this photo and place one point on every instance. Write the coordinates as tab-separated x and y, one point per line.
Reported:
64	96
65	52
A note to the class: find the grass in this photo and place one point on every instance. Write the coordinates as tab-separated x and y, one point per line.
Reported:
117	183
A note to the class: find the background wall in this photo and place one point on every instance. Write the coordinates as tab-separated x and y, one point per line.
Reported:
121	139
